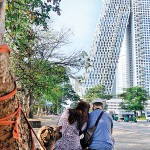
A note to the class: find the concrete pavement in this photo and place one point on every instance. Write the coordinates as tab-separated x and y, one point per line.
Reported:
131	136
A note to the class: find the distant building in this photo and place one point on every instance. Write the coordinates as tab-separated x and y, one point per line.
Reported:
147	108
120	53
77	86
113	107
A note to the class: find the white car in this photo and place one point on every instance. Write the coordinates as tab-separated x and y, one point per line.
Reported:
148	118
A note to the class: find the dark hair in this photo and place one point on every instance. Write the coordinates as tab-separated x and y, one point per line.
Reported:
79	114
98	104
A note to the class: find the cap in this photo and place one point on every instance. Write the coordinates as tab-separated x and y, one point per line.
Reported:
97	100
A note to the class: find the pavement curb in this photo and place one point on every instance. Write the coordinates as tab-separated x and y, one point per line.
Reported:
131	123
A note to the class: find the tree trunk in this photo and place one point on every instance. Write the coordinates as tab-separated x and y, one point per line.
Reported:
10	105
38	111
31	102
141	113
135	114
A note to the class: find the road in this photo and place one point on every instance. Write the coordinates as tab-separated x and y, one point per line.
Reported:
131	136
128	136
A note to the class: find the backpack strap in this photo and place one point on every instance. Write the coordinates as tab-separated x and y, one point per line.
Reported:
98	119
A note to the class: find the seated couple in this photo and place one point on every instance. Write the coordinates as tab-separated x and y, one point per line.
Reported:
74	121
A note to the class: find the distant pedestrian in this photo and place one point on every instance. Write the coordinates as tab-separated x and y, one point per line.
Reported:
72	121
102	138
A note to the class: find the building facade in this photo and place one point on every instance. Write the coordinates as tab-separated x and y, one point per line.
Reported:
120	53
140	27
113	107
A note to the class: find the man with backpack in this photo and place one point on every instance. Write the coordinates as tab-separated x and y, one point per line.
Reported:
102	137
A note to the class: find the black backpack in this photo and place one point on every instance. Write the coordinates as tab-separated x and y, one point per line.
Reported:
88	133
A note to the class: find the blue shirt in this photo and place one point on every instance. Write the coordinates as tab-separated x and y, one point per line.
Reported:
102	138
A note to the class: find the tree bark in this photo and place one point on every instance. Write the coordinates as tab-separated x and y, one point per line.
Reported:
141	112
135	114
2	19
31	102
10	105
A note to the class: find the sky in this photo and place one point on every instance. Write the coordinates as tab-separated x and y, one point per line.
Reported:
81	16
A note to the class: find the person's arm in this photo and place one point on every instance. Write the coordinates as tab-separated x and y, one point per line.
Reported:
63	121
111	124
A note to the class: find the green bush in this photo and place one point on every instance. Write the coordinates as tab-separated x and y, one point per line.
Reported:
141	118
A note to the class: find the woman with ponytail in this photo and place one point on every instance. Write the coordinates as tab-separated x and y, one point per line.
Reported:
72	121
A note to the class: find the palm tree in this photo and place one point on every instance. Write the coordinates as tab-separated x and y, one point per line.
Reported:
10	130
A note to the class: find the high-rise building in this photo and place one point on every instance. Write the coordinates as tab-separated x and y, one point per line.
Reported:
120	53
140	28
